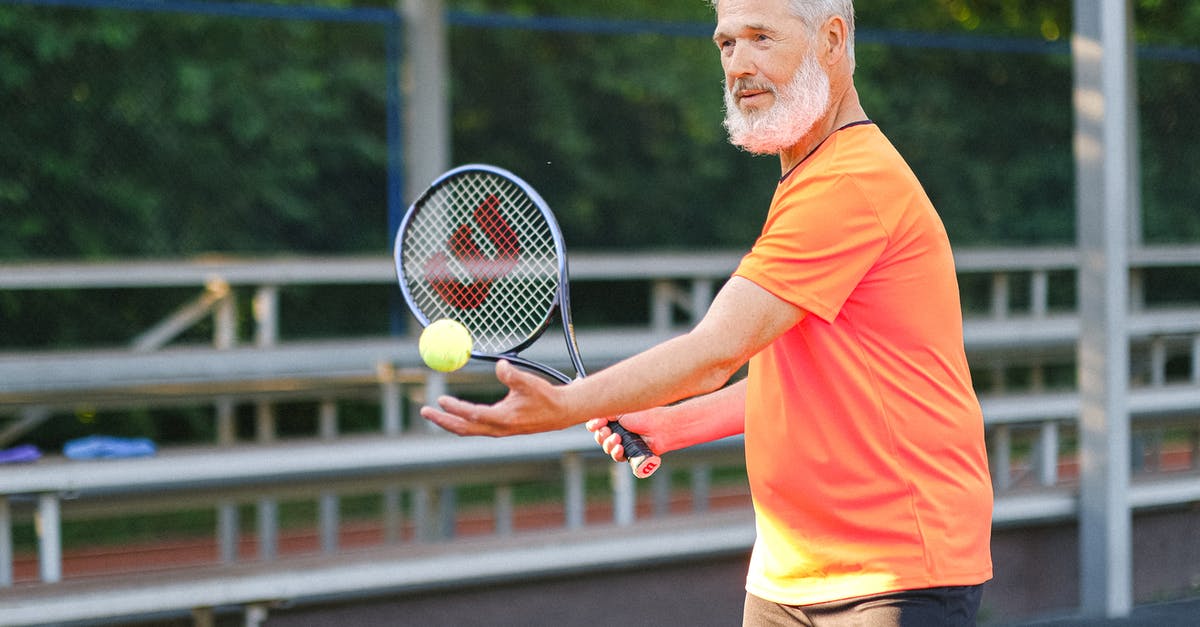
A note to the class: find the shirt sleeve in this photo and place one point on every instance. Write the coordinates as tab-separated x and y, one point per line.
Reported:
821	238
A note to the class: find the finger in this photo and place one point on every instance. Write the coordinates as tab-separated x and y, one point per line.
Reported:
601	434
457	406
450	422
599	428
609	443
456	416
509	374
631	422
613	447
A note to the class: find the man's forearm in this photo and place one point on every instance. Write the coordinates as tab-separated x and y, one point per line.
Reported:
703	418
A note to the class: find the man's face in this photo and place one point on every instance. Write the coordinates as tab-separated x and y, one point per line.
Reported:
775	87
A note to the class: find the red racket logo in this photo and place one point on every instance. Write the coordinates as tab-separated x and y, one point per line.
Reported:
482	268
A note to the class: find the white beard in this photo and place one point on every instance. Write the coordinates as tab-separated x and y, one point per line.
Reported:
798	106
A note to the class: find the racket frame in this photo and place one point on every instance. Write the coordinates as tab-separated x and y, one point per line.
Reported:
643	466
556	305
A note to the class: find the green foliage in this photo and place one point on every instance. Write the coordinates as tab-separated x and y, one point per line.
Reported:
132	134
142	134
1170	123
995	178
629	154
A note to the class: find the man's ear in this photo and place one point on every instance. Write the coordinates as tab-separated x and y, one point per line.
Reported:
833	40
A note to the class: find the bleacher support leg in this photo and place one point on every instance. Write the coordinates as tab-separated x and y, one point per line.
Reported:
203	617
256	614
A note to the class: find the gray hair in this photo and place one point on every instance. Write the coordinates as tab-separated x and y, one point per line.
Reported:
815	12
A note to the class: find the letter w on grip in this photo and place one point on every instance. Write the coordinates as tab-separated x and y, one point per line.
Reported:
481	268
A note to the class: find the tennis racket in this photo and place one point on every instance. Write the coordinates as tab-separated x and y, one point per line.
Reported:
480	246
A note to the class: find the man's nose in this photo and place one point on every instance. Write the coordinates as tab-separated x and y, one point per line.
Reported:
739	63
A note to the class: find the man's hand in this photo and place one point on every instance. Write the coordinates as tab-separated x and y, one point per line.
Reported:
611	442
532	405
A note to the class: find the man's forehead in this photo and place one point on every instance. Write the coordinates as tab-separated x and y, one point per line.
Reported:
752	15
762	6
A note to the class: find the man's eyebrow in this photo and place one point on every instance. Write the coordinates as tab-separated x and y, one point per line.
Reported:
721	33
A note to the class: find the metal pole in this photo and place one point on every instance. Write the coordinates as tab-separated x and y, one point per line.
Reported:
268	529
624	495
574	497
329	521
6	544
228	531
398	320
1105	135
395	136
49	533
426	90
426	94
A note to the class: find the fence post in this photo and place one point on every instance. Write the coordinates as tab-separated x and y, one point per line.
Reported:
1000	457
268	528
49	533
504	509
228	530
574	499
624	494
426	92
6	545
1106	195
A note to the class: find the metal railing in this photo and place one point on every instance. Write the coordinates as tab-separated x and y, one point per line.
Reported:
1030	425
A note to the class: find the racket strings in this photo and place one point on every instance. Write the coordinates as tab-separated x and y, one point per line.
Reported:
480	251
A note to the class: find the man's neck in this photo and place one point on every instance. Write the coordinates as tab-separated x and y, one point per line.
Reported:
845	110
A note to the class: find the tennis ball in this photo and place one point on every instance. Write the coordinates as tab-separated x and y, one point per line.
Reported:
445	345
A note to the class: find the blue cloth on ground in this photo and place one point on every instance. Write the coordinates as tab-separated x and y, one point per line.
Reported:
108	447
20	454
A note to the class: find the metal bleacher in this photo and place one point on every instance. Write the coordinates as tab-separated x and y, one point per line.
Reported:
420	476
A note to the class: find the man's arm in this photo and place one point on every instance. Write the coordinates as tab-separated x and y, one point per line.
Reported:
697	420
742	320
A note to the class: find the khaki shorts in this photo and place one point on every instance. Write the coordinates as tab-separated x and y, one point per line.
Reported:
953	606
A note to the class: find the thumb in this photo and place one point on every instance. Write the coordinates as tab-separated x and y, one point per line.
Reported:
635	421
513	377
506	373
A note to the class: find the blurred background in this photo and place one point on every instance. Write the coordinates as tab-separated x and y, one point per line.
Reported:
195	133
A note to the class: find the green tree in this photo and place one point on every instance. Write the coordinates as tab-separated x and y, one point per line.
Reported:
132	133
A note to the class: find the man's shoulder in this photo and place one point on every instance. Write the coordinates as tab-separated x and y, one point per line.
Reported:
865	155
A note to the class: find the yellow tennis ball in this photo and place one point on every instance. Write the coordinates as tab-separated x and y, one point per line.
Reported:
445	345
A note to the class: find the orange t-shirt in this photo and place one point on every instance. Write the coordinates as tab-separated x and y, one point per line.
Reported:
864	438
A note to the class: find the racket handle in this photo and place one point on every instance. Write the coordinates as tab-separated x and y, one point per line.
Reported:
642	460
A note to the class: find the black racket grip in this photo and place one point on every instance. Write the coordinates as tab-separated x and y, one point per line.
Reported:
641	459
